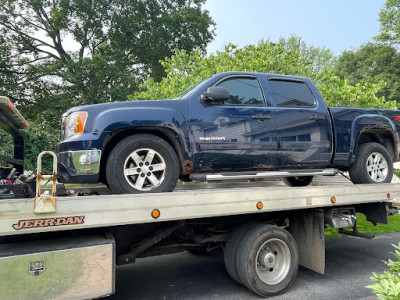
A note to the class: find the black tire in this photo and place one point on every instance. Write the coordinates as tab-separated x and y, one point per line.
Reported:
231	246
373	164
142	163
267	260
298	181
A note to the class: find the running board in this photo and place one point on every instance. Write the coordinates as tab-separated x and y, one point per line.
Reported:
268	174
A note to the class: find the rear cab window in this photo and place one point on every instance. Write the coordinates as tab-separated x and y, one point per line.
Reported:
289	93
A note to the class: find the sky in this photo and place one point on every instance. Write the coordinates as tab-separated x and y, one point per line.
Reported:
335	24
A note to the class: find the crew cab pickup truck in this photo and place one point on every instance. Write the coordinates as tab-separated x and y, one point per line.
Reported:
234	124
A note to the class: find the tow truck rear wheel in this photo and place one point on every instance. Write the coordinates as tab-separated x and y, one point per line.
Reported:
231	247
373	164
142	163
267	260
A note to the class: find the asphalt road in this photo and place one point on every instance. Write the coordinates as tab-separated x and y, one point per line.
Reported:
350	262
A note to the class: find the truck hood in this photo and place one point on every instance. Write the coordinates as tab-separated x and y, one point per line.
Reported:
97	108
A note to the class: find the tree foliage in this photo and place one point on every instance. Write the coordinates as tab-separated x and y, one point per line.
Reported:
389	18
63	53
372	63
379	61
287	56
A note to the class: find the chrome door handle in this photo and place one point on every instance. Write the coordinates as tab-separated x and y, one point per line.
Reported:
261	117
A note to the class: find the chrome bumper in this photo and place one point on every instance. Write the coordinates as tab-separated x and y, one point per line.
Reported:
81	166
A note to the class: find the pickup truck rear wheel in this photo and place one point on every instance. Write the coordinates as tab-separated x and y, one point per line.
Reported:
373	164
142	163
298	181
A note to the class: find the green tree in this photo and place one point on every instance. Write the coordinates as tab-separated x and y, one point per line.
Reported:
73	52
372	63
8	79
287	56
389	18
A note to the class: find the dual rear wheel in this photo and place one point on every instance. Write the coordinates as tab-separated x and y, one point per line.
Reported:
264	258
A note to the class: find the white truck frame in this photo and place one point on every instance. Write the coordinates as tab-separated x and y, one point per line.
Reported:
72	252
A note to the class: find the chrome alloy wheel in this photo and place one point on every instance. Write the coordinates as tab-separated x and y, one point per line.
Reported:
273	261
377	167
144	169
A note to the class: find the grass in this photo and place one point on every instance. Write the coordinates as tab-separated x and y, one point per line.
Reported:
74	185
367	227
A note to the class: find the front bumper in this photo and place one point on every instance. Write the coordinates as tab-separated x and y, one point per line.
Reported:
81	166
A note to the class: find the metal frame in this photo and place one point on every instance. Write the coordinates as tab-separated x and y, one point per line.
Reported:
12	122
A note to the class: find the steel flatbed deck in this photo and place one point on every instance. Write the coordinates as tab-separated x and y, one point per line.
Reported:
82	212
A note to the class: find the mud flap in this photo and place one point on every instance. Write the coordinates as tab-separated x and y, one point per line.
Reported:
307	228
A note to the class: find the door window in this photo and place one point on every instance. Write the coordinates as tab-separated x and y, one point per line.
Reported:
243	91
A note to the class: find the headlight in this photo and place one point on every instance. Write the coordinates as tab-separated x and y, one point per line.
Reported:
74	124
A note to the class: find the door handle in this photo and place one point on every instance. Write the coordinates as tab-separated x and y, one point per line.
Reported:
317	118
261	117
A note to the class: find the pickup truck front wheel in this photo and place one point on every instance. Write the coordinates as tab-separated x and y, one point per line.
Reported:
373	164
142	163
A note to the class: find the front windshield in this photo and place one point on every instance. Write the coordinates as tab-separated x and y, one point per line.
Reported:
190	90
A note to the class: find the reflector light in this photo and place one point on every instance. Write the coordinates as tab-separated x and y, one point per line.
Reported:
333	199
388	195
10	105
155	214
397	118
260	205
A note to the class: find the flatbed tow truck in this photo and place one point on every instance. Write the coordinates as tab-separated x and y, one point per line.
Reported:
68	248
265	232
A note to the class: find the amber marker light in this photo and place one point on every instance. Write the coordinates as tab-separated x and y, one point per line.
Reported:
333	199
80	122
260	205
155	214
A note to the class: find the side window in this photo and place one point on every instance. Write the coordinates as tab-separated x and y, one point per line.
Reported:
291	93
243	91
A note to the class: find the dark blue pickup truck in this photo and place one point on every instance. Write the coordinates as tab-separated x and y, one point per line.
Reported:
231	125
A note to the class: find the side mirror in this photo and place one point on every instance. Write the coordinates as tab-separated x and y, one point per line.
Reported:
215	94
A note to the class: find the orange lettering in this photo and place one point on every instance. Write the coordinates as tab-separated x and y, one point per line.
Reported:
60	221
38	223
48	222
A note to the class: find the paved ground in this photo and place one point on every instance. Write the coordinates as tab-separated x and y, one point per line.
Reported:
349	265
